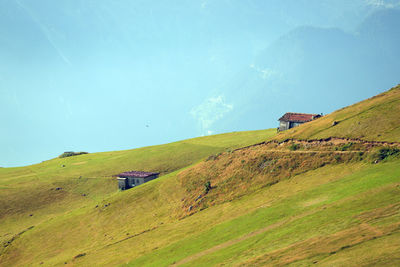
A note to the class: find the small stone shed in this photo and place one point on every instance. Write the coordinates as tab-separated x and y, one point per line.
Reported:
290	120
131	179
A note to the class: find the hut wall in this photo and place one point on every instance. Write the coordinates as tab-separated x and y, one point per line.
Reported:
139	181
135	181
129	182
150	178
122	183
294	124
284	125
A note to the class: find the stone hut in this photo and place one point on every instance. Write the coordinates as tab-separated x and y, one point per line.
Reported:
290	120
131	179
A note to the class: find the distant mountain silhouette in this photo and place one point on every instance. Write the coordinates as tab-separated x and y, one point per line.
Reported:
326	62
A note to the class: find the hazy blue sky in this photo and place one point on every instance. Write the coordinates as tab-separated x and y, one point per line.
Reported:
98	75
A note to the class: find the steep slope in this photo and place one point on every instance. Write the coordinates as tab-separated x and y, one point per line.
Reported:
33	195
323	217
297	202
294	199
374	119
368	130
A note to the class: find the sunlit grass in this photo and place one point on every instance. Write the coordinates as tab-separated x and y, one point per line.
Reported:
374	119
343	198
42	194
267	205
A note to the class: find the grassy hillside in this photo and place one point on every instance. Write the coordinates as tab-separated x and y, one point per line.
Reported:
376	119
314	217
329	202
33	195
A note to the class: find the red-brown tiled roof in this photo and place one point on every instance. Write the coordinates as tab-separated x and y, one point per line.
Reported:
299	117
136	174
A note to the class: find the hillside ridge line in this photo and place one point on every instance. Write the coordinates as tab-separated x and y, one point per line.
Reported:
329	139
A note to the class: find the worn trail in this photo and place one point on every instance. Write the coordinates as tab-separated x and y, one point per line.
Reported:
330	140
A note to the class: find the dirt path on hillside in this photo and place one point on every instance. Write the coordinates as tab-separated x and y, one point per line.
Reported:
313	151
330	140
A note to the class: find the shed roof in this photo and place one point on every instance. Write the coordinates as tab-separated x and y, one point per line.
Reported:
136	174
299	117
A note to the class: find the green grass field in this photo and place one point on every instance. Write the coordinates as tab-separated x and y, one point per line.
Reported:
326	204
28	195
313	218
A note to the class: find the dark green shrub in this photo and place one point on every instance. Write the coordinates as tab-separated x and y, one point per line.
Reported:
294	147
207	186
71	153
213	157
346	146
386	152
